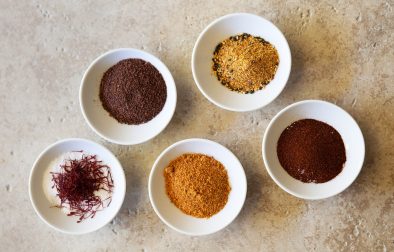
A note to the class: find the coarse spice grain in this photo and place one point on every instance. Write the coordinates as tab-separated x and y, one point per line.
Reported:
197	184
311	151
133	91
245	63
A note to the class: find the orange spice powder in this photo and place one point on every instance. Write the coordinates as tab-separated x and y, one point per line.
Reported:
197	184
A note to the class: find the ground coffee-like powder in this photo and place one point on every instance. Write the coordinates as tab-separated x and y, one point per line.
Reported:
311	151
197	184
133	91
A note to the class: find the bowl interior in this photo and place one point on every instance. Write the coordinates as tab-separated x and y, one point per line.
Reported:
100	120
174	217
202	61
40	183
332	115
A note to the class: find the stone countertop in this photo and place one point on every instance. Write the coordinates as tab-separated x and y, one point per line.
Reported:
342	52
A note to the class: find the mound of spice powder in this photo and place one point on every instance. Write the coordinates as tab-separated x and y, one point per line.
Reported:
78	183
311	151
133	91
245	63
197	184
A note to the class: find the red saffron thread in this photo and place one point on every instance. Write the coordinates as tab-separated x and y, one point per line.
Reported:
76	184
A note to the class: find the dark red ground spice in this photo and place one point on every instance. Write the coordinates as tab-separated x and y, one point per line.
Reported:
133	91
76	184
311	151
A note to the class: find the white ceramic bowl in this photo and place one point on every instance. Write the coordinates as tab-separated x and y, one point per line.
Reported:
40	183
174	217
332	115
221	29
100	120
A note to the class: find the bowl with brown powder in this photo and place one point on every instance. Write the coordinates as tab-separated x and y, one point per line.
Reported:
313	149
241	62
197	186
127	96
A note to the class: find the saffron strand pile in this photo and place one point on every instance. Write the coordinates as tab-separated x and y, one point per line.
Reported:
77	184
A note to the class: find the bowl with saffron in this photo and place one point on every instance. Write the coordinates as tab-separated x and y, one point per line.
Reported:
197	186
127	96
241	62
77	186
313	149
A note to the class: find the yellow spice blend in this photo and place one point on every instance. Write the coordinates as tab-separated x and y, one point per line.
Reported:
245	63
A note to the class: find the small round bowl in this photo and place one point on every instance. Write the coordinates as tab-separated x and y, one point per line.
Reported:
99	119
40	183
220	30
174	217
332	115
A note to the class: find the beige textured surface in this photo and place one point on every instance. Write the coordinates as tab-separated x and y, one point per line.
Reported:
342	53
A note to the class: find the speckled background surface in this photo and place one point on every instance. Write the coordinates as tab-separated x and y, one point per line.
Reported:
342	53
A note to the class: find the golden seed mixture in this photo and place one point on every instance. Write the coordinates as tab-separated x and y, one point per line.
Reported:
245	63
197	184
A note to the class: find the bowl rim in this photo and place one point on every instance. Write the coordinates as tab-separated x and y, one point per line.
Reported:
34	168
154	168
91	66
209	26
269	169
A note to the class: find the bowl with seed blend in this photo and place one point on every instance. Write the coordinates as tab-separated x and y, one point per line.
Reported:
127	96
313	149
77	186
241	62
197	186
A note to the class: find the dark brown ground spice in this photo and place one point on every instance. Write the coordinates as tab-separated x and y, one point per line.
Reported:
311	151
133	91
197	184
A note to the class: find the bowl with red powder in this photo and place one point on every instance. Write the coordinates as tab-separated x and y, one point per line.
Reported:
313	149
197	186
127	96
77	186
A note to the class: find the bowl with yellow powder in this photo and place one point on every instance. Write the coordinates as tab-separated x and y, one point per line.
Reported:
197	186
241	62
